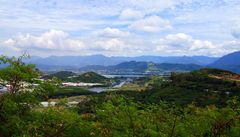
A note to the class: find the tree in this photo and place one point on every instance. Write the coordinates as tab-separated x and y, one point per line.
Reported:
17	107
17	74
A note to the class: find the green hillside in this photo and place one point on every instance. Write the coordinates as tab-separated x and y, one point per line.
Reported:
205	87
90	77
62	75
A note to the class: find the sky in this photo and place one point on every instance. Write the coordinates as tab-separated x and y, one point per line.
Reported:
119	27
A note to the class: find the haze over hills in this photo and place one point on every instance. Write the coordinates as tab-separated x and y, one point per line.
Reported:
228	62
69	62
134	67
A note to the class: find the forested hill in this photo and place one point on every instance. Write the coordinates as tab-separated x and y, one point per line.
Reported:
88	77
135	66
62	75
205	87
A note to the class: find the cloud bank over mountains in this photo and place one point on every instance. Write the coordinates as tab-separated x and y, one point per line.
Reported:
114	41
125	27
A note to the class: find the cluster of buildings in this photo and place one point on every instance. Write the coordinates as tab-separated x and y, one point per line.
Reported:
24	85
52	103
80	84
5	88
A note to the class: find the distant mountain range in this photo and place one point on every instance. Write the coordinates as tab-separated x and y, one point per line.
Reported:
76	62
229	62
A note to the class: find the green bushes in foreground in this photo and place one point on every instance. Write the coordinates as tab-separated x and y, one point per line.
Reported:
117	116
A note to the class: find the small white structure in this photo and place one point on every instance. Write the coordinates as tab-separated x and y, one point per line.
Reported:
3	89
47	104
81	84
52	104
73	103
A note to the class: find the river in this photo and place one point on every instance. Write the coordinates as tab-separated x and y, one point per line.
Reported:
124	80
101	89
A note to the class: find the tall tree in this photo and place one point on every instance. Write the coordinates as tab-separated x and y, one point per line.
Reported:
16	74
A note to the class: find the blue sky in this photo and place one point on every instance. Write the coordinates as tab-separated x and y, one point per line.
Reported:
119	27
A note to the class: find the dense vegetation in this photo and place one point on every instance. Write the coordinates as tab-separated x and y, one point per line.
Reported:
204	87
62	75
69	92
114	115
178	67
88	77
119	116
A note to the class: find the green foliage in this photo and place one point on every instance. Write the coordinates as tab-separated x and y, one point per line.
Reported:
17	120
70	91
62	75
88	77
47	88
18	115
17	72
205	87
112	115
91	77
120	116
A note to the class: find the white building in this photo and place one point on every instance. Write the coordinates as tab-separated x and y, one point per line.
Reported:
81	84
3	88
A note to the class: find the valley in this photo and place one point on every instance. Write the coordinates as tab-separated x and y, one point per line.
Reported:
204	87
148	93
119	68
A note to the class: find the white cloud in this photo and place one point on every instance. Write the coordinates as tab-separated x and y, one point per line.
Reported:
55	42
110	44
120	47
112	32
183	44
9	42
176	40
231	45
151	24
129	14
202	45
51	40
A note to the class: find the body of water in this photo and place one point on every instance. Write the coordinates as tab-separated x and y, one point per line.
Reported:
124	79
97	89
124	76
101	89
